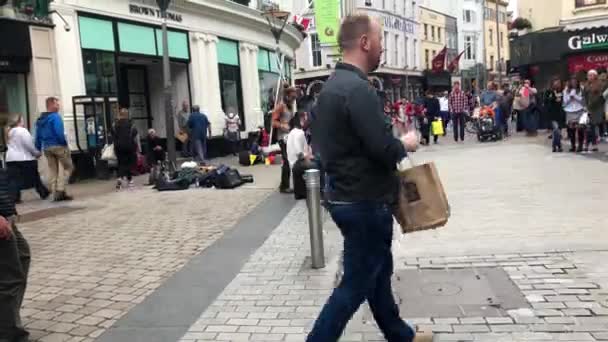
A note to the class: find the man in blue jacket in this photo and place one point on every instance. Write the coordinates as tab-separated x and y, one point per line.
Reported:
50	138
199	128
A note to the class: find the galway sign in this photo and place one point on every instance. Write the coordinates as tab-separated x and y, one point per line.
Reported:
588	41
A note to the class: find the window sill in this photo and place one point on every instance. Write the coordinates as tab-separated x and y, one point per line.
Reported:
590	8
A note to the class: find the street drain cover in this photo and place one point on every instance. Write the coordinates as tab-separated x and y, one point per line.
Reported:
483	292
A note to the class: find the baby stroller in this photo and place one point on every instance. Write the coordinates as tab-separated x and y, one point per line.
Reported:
487	129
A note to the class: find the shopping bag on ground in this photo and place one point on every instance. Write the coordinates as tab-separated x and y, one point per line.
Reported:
422	203
437	127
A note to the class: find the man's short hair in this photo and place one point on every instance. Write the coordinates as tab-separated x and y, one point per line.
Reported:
352	28
196	108
50	99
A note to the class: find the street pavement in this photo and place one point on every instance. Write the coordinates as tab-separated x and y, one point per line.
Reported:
526	222
97	257
517	209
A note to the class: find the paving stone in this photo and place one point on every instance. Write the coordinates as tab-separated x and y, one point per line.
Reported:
470	328
499	320
56	337
547	313
550	305
602	336
508	328
576	312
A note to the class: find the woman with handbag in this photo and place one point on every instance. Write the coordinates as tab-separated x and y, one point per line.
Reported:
22	160
125	147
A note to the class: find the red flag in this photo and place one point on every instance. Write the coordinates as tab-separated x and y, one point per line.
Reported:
454	63
439	60
305	22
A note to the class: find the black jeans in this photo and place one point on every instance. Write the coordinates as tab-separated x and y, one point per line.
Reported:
285	170
14	267
23	175
459	120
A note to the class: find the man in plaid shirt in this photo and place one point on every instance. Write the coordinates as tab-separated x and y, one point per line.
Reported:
459	106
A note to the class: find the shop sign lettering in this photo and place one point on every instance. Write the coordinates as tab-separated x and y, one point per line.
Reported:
588	41
398	24
154	12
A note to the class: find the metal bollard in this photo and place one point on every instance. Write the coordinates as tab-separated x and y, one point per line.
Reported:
315	225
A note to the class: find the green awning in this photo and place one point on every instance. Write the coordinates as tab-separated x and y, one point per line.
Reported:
96	34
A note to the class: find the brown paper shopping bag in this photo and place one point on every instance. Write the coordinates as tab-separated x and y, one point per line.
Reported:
423	203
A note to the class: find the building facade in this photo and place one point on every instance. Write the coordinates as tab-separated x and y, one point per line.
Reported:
28	65
496	32
222	58
576	31
400	74
470	28
437	31
579	14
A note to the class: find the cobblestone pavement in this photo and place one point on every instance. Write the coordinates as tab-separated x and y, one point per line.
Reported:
516	207
90	266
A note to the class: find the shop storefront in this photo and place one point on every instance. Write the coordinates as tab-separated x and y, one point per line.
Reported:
114	50
268	72
15	59
123	59
572	53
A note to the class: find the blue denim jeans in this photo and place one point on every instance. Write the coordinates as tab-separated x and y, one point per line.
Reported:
368	265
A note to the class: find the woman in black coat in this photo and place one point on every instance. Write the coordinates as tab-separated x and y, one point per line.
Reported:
553	103
125	147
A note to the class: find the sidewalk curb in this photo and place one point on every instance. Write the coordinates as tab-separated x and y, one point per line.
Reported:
169	312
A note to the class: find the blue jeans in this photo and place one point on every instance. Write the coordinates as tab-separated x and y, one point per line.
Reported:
368	265
200	149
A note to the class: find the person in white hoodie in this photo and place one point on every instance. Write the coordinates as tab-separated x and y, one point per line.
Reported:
22	160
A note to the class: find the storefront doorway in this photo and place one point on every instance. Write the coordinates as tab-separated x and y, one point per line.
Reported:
140	87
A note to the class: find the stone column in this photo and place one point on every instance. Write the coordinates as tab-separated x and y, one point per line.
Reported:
206	80
251	86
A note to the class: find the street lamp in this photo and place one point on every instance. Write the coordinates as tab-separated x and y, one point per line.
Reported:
277	20
170	129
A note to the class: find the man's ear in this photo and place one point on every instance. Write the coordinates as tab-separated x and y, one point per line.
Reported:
364	42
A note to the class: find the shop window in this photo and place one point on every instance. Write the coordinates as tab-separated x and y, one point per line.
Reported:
263	60
96	34
268	88
491	37
230	86
228	52
586	3
396	51
230	77
439	34
432	33
136	39
99	72
178	44
274	63
13	96
426	32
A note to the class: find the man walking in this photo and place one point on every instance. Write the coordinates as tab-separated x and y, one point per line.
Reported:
459	106
199	126
14	268
360	154
182	124
50	138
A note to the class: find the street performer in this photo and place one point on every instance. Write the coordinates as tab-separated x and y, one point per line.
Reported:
360	154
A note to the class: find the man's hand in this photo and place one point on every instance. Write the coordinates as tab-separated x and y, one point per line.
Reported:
5	229
410	141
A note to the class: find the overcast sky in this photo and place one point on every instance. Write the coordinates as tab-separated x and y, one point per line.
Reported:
513	6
